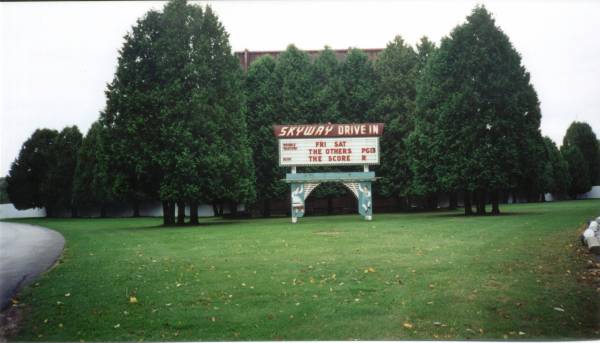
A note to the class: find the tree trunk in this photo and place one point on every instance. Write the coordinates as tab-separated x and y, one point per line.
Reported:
467	202
495	206
136	208
401	203
330	204
194	213
266	208
180	213
172	212
103	210
165	207
504	197
480	196
168	213
233	208
218	209
452	201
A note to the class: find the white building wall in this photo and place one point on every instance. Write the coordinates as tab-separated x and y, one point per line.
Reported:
594	193
147	209
9	211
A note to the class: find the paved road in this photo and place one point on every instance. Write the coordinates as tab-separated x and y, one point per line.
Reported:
26	251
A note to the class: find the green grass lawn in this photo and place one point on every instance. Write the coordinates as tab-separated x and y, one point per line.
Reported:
402	276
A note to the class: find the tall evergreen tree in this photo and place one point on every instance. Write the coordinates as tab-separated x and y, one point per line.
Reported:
358	88
262	101
175	112
42	174
396	70
583	137
425	48
132	116
420	148
485	110
27	173
328	88
327	97
556	171
296	88
578	170
3	194
91	183
57	187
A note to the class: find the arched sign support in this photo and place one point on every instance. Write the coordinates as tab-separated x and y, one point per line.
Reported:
302	184
329	144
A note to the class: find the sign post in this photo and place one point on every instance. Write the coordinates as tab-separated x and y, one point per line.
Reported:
329	145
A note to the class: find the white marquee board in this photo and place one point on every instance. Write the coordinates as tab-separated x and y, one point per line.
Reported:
328	151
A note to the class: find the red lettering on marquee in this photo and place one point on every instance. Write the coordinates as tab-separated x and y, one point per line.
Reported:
339	158
368	150
328	130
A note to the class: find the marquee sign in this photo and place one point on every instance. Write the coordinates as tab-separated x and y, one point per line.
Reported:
328	144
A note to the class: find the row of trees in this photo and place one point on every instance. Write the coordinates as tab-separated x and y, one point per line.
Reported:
459	119
184	125
42	175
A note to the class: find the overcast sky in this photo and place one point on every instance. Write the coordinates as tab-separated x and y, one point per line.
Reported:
56	57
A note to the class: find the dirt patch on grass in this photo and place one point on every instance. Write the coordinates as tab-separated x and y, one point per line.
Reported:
10	321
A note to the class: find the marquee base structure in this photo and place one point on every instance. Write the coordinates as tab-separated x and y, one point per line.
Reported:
359	183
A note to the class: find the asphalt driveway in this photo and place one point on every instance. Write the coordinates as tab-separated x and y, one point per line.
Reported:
26	251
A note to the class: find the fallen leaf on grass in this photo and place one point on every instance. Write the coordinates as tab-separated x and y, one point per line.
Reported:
407	325
133	300
67	294
559	309
117	326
